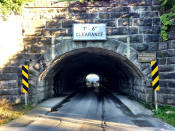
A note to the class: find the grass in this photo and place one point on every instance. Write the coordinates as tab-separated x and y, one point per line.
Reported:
9	112
164	112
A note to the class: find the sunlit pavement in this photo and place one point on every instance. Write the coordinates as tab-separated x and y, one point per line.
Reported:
92	111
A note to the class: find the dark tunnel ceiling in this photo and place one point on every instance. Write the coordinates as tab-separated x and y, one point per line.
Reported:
75	66
95	60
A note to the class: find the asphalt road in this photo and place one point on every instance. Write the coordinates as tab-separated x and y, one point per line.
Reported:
93	110
94	105
96	110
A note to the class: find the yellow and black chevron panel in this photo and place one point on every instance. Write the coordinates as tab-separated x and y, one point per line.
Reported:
25	78
155	75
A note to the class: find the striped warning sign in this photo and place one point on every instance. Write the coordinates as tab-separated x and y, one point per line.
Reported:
155	75
25	77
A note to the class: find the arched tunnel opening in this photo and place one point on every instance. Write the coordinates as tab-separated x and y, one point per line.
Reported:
117	73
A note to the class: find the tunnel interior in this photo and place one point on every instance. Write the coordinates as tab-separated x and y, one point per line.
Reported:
116	73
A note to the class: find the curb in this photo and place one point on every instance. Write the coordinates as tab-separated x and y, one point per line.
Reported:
39	111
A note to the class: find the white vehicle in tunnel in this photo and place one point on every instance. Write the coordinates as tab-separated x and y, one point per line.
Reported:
92	80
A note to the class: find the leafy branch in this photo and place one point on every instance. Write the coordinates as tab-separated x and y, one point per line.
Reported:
11	6
168	6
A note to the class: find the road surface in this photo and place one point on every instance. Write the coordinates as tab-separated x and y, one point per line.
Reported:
94	110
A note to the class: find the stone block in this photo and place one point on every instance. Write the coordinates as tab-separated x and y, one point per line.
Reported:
67	23
8	84
10	69
161	98
123	39
14	99
8	76
151	38
97	9
118	9
124	2
171	44
167	75
140	46
164	90
59	32
171	83
149	29
109	23
116	15
30	40
47	32
171	60
162	54
124	22
136	38
125	15
156	8
10	91
152	46
156	21
142	22
163	45
140	8
45	41
161	61
149	14
53	24
171	100
163	83
86	16
156	2
170	52
133	30
140	2
171	36
145	65
166	68
61	10
131	15
76	10
117	31
104	15
69	32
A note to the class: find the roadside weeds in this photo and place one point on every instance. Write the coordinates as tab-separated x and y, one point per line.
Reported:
10	112
164	112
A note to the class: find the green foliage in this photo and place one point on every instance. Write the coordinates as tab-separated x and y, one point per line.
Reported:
9	6
147	105
29	106
166	113
166	18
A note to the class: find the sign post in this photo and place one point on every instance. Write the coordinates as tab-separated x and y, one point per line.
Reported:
155	81
25	83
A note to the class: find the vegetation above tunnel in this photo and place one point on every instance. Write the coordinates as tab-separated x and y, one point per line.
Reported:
167	18
11	6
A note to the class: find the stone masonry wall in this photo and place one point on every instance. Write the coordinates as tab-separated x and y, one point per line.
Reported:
134	22
166	56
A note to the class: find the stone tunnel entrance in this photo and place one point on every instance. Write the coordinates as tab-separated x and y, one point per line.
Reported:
116	72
